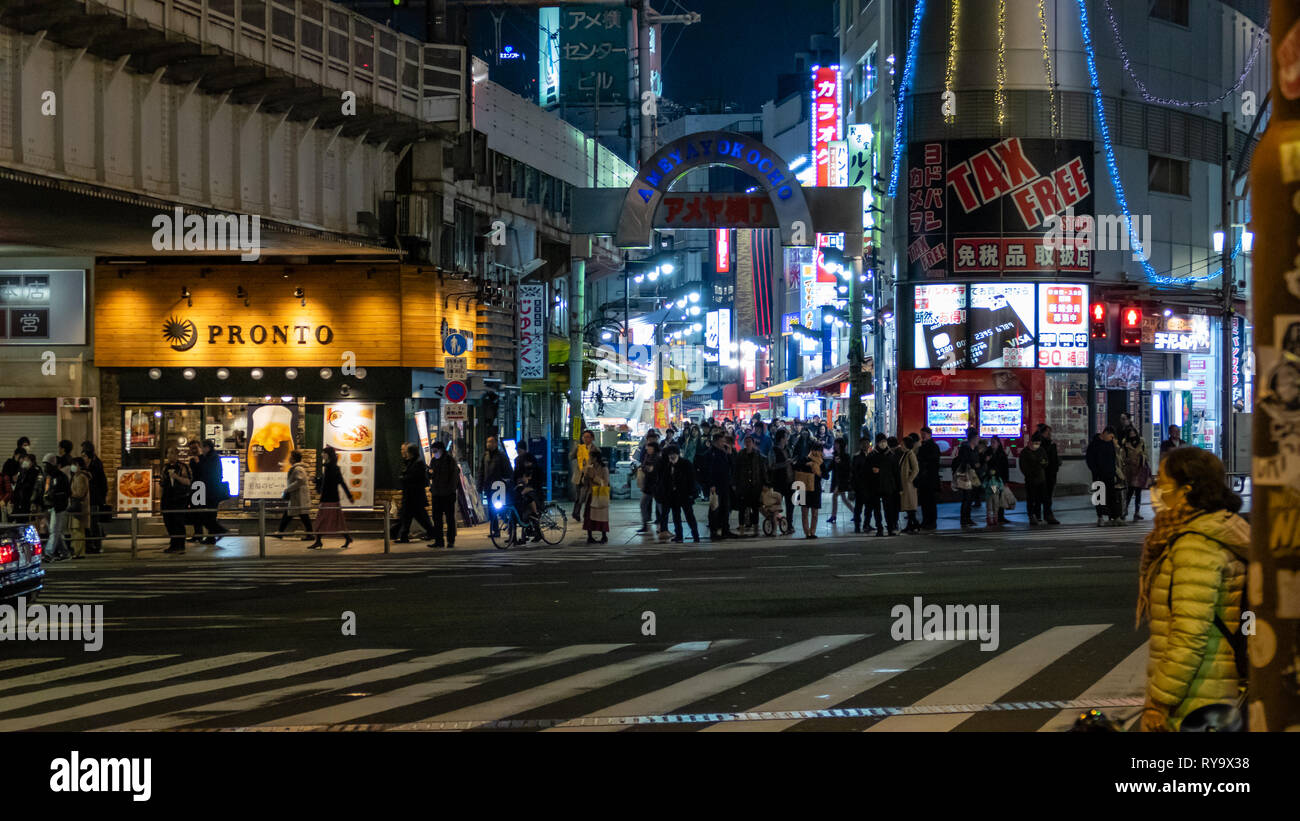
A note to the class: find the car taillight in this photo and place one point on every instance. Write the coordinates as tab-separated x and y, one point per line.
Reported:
8	553
36	546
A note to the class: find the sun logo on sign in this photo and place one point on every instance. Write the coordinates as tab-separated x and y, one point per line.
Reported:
180	333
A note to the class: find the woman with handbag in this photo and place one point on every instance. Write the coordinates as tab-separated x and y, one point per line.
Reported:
595	480
329	520
1000	466
579	456
298	494
1137	473
809	471
79	507
965	475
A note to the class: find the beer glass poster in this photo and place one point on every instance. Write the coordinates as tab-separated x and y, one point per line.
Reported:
350	429
270	437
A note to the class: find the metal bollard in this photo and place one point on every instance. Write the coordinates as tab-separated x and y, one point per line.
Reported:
261	528
135	531
387	535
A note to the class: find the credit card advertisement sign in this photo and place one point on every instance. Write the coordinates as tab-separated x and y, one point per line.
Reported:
1002	325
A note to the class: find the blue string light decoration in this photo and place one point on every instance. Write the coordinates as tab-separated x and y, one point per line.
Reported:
1099	109
1151	98
909	69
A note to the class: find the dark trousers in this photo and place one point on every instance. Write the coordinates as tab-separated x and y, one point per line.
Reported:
284	522
747	508
687	508
929	503
720	519
95	531
871	503
892	503
206	518
444	507
1112	501
1134	495
413	509
1048	492
1034	497
661	514
175	524
967	501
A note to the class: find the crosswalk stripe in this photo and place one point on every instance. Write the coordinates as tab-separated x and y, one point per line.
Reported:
667	699
148	677
840	686
578	684
10	664
74	671
425	690
263	698
993	678
103	706
1128	678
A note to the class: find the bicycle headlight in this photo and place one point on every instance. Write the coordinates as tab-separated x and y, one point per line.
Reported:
498	504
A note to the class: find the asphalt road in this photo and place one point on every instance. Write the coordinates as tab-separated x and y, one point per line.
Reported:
754	635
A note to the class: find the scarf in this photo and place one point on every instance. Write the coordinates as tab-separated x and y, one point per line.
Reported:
1168	525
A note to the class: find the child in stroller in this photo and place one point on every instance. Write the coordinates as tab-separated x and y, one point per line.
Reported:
774	520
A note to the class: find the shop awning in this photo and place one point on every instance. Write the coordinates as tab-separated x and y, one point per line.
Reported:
830	380
775	390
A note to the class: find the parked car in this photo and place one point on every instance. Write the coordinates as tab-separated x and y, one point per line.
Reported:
21	570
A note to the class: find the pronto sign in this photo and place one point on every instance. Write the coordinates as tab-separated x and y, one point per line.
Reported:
636	220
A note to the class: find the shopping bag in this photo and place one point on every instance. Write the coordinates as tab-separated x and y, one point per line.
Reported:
600	497
1008	499
713	500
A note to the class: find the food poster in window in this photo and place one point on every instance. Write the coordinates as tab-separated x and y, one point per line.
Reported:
350	429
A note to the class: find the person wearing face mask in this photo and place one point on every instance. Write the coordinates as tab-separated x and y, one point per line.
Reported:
1137	473
679	477
78	506
749	477
1191	588
1033	463
27	485
98	498
1102	457
8	476
444	480
967	463
884	482
578	457
58	492
595	518
175	496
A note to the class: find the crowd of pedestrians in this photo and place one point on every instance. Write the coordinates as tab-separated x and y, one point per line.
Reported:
64	495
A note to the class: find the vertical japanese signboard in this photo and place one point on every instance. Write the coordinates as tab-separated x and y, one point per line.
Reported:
826	119
532	331
594	54
350	429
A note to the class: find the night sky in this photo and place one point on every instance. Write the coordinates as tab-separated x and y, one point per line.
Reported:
738	49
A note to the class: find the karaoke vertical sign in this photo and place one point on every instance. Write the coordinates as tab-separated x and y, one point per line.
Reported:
532	331
827	119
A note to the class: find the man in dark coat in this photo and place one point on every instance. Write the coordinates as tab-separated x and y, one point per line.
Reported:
495	468
208	471
717	480
750	477
1103	463
928	481
861	481
1033	463
414	481
1052	469
967	459
884	483
679	483
444	481
98	497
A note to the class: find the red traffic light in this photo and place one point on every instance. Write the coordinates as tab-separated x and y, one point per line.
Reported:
1130	335
1098	314
1132	317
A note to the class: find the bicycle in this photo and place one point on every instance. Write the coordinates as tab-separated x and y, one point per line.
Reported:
550	524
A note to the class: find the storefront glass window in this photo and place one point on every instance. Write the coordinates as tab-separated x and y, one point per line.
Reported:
1067	412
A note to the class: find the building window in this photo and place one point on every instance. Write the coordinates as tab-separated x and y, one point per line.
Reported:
1166	175
1177	12
868	67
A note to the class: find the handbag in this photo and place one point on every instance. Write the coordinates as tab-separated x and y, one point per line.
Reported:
1142	478
1008	499
600	497
806	478
713	500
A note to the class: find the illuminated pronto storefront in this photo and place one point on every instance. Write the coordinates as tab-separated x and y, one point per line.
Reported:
265	359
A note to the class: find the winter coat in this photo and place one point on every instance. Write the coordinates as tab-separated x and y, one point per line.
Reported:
999	464
208	471
496	468
175	492
444	476
80	497
908	469
1103	460
679	480
782	472
579	455
927	458
1191	663
1053	459
98	482
299	490
717	470
1133	458
887	480
841	466
749	474
414	481
1033	463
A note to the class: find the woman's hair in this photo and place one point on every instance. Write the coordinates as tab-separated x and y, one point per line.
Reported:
295	456
1201	471
331	455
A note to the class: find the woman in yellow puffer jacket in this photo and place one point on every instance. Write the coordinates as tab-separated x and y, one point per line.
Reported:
1193	569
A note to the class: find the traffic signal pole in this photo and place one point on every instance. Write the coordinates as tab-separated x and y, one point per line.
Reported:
1229	286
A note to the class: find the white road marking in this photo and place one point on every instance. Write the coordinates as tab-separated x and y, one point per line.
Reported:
1128	678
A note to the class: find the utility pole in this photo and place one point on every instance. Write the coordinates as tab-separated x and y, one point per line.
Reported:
1274	587
857	379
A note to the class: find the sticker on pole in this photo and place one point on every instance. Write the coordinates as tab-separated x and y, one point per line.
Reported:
454	344
455	391
455	367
